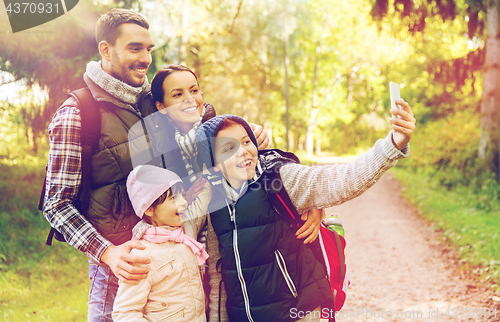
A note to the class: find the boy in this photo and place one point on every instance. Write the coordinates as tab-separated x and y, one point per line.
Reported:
266	272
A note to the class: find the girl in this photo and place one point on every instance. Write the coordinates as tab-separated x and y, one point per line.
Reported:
173	289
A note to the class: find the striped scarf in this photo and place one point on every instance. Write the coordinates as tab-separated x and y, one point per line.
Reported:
187	145
115	87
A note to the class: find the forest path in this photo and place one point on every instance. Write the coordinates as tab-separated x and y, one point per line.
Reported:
400	268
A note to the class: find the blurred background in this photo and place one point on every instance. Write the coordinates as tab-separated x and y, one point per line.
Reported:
314	73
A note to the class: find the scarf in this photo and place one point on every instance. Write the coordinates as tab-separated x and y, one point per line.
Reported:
187	145
160	235
115	87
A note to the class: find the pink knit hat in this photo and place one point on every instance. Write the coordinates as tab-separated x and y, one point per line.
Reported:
146	183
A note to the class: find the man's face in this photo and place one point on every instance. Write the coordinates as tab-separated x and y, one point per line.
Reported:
235	155
131	54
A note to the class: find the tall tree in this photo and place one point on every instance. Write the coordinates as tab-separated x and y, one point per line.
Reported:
489	145
54	56
481	15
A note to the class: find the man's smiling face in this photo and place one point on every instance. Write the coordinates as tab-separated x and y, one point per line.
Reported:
130	56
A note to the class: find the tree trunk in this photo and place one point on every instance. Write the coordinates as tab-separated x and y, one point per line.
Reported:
318	145
195	50
350	82
489	144
184	23
312	119
287	93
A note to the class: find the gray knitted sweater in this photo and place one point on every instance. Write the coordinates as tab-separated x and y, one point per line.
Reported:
330	185
317	187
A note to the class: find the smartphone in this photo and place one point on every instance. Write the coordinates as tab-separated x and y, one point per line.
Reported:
395	94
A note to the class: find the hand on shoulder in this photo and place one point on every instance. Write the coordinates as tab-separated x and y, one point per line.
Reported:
120	261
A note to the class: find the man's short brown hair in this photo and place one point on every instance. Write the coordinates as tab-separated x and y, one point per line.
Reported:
107	27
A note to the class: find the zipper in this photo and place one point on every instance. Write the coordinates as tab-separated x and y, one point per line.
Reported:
171	263
232	211
282	265
181	310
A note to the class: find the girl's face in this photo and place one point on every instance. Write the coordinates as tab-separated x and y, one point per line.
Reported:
183	101
170	212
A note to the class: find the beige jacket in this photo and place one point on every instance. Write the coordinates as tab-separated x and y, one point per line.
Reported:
173	290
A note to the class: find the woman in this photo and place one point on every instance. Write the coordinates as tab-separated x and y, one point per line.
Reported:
181	110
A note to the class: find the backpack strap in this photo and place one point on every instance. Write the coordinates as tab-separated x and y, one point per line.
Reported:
89	138
281	200
42	194
274	159
283	205
89	141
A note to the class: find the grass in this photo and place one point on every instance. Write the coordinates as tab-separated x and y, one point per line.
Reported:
474	231
38	282
53	289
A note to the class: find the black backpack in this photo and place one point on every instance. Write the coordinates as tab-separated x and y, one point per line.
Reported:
89	139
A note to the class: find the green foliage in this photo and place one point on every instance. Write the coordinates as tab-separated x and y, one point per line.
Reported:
20	184
446	150
447	145
237	49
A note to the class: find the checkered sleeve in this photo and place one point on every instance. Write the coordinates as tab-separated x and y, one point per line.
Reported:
64	175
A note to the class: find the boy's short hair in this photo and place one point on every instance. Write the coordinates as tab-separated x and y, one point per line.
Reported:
107	27
227	123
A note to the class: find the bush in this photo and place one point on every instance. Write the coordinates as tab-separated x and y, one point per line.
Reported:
23	227
21	184
450	146
446	151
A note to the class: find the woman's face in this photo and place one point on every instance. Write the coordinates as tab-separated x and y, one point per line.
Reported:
182	101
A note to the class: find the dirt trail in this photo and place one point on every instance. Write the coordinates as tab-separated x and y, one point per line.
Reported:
400	270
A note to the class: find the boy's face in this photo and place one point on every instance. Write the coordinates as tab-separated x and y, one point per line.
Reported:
183	101
235	155
170	212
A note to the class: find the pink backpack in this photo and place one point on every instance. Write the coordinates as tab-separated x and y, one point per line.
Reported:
332	247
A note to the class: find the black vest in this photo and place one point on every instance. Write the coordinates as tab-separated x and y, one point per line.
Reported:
110	210
264	264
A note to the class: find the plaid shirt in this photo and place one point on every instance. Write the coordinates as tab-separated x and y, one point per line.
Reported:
64	175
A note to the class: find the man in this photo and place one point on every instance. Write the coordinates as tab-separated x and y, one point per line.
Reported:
119	84
120	81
